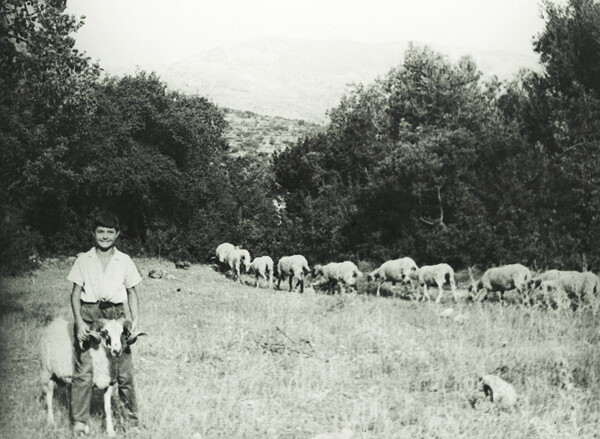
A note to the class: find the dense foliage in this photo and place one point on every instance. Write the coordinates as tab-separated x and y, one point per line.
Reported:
429	160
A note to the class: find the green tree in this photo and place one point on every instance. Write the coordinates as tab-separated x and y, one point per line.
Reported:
46	100
565	112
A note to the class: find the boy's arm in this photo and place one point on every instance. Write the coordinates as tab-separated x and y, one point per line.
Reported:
82	328
132	300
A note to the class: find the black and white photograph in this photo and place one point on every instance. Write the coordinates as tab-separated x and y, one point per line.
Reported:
315	219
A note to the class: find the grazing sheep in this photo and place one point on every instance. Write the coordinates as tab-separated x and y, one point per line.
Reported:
262	267
56	349
292	267
578	286
393	271
435	275
238	260
222	251
345	273
546	276
501	279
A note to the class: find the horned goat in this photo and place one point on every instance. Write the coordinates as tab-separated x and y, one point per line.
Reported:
107	339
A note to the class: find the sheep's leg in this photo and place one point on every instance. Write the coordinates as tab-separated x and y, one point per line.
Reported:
256	286
425	293
522	292
502	302
441	293
301	282
270	281
453	288
379	287
110	429
49	393
291	282
482	296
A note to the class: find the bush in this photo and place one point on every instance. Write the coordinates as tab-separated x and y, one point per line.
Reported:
18	244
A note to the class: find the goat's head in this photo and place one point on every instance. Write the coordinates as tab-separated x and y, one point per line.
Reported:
114	335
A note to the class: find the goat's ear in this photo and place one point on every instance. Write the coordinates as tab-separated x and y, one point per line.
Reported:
133	337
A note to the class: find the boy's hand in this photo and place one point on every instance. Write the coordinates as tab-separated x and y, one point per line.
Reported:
82	331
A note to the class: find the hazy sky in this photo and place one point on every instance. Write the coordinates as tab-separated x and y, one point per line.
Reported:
126	33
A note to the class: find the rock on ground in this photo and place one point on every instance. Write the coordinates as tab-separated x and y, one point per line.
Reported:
499	391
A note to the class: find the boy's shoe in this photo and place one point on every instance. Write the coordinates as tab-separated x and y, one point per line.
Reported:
81	429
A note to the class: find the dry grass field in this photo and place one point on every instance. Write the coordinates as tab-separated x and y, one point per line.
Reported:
228	360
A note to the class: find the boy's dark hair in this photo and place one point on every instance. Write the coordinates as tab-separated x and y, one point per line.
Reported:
106	218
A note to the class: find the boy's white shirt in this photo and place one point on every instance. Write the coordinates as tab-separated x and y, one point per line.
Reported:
99	285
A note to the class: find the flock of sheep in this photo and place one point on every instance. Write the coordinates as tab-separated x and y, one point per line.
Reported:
110	336
577	286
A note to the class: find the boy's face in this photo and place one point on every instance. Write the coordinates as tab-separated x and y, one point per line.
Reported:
105	237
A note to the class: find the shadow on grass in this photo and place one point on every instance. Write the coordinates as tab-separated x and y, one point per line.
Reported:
38	312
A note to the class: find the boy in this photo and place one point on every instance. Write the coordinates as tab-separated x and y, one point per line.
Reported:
103	280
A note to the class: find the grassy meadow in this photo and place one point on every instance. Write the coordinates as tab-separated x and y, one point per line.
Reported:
227	360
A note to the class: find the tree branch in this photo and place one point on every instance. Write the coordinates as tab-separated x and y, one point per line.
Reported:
440	220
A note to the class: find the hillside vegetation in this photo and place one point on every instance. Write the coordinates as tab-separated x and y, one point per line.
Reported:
228	360
251	133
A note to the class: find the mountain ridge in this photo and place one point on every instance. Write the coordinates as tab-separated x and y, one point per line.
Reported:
302	79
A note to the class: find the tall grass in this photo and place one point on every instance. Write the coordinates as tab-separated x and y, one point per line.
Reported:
228	360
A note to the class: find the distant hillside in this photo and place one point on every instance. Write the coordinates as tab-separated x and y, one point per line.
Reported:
251	133
302	79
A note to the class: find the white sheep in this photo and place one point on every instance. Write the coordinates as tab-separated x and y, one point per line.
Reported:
435	275
538	280
57	357
238	260
262	267
393	271
292	267
222	251
501	279
577	285
345	273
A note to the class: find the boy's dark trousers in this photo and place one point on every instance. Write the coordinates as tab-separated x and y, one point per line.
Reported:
81	389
